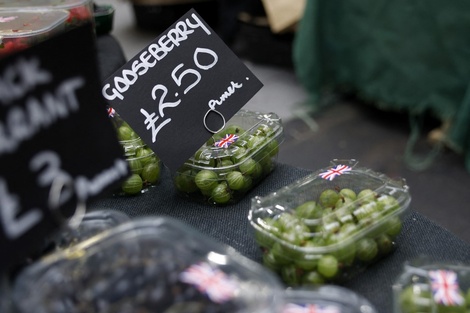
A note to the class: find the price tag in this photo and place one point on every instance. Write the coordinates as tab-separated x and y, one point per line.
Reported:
54	131
181	89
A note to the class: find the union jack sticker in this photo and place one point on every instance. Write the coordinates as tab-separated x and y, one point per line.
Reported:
226	141
445	288
111	112
217	285
310	308
335	171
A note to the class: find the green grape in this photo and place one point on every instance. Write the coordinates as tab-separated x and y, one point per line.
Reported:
133	185
235	180
221	193
151	173
184	181
328	198
328	266
206	180
366	249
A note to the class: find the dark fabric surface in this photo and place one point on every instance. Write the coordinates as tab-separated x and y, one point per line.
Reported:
230	225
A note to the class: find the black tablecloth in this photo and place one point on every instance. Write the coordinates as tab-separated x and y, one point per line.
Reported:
229	225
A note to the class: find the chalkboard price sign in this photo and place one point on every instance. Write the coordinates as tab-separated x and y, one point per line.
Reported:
181	89
58	150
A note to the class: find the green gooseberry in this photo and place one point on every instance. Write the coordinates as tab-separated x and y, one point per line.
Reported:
125	132
312	278
279	254
328	198
233	129
384	244
151	172
348	193
206	180
255	142
248	166
272	148
393	226
235	180
270	262
238	155
133	185
258	172
291	275
345	250
247	183
221	193
184	181
135	165
328	266
387	203
308	210
366	195
416	298
366	249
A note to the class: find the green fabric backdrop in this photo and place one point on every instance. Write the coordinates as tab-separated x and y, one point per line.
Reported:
411	55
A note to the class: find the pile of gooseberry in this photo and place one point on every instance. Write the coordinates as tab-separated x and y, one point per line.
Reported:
331	238
144	164
219	175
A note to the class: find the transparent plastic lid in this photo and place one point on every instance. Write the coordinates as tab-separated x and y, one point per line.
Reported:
434	287
14	24
328	299
60	4
245	134
322	202
152	264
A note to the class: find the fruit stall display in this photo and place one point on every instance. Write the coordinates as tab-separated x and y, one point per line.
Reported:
80	11
428	287
330	225
233	161
22	29
144	164
139	267
327	298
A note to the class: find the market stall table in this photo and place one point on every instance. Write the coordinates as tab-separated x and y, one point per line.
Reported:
229	224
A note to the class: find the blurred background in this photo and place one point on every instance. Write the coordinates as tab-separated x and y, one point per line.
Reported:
381	82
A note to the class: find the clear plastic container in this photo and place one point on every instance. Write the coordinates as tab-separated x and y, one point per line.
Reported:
22	29
233	161
431	287
145	165
80	11
331	224
328	299
91	224
155	264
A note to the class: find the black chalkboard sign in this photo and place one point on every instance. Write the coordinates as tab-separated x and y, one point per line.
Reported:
180	89
58	148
